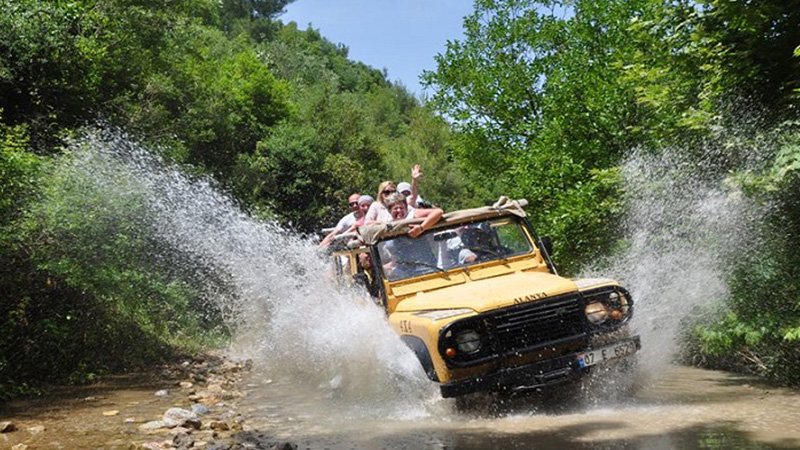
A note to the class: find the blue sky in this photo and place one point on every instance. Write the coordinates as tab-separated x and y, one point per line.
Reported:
401	36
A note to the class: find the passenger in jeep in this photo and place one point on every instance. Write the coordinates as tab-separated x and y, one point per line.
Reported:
479	244
347	221
399	209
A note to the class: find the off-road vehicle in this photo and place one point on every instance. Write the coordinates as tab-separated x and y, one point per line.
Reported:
479	301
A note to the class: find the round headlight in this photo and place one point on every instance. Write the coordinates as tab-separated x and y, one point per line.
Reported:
468	341
619	304
596	312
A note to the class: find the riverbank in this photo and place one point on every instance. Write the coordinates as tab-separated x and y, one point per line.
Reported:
186	404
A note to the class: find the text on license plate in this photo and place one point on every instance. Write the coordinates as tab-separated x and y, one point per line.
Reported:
613	351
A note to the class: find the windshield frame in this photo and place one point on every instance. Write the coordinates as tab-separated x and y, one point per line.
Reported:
425	269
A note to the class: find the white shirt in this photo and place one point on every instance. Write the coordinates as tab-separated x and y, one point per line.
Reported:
377	212
345	223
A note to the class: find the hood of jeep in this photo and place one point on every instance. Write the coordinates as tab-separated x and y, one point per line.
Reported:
490	293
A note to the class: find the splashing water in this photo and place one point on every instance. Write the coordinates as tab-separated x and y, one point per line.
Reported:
685	223
277	295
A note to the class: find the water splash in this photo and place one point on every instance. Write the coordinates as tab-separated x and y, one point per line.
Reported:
685	223
275	292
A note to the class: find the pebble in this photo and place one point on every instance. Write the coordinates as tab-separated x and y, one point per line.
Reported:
219	425
19	447
36	429
186	385
112	412
161	393
7	427
200	409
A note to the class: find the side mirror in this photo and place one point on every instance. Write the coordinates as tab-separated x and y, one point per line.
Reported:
547	244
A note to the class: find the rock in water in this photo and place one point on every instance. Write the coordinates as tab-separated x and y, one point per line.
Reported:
178	417
7	427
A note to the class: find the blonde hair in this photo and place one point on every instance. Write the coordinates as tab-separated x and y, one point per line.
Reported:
381	187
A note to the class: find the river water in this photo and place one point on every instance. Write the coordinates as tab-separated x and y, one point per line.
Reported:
685	408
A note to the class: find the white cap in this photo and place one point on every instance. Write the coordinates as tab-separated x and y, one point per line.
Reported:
403	187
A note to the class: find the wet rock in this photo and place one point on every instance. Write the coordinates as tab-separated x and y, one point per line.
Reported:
161	393
285	446
36	429
218	445
129	420
200	409
7	427
112	412
180	430
228	366
174	417
151	446
183	440
219	425
152	425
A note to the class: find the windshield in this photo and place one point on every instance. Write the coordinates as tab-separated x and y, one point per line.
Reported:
457	246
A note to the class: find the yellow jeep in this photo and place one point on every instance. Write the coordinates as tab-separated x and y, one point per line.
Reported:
479	301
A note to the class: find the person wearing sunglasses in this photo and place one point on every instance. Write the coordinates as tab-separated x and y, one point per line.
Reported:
346	222
378	211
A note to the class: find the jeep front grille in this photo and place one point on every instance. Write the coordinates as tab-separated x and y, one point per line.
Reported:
537	323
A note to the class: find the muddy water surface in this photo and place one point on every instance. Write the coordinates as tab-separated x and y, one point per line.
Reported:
687	408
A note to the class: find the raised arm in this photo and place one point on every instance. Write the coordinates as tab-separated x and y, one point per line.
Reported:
416	174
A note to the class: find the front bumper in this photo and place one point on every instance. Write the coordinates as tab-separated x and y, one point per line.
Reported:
541	374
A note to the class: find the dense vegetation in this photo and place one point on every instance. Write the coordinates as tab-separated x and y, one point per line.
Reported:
541	100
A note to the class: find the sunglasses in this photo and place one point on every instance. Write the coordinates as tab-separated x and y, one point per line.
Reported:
353	203
388	192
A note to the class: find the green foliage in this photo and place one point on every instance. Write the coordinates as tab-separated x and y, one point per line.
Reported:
18	170
544	112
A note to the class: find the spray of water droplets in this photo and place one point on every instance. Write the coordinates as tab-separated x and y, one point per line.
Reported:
274	290
685	222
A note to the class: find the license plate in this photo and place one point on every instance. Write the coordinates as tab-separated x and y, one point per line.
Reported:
613	351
